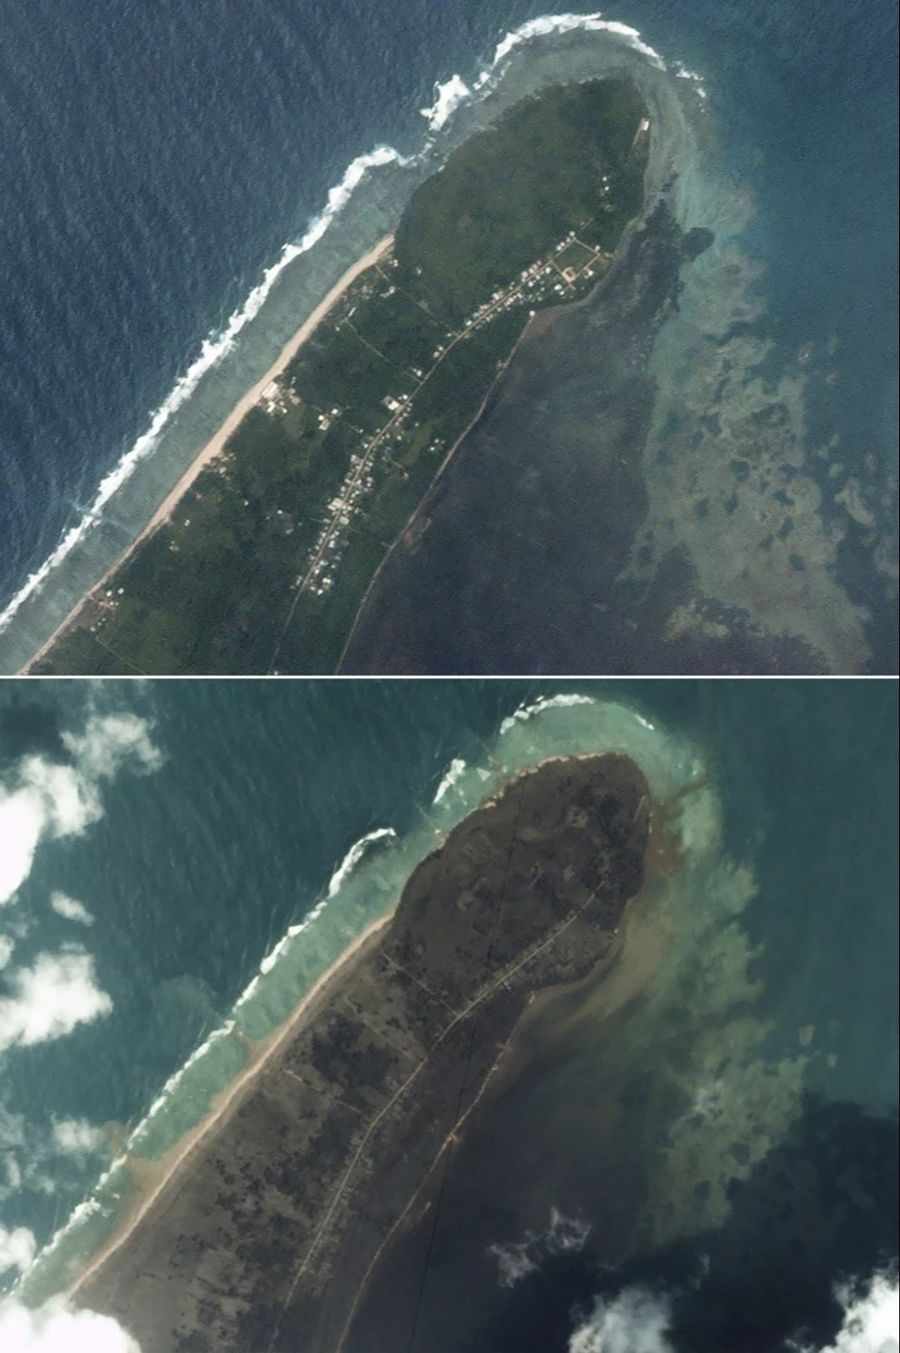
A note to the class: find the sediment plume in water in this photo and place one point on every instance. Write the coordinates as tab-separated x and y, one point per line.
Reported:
288	1198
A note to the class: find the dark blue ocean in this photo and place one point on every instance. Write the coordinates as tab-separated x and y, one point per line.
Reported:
179	859
157	159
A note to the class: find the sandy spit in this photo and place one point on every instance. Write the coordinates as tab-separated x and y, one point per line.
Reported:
216	444
226	1104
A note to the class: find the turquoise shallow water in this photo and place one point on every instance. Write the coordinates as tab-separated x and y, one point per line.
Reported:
133	252
199	859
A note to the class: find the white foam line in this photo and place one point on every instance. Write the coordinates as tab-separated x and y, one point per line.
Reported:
91	1205
696	80
449	95
568	23
525	712
268	963
455	770
214	348
353	857
175	1079
87	1208
447	98
335	883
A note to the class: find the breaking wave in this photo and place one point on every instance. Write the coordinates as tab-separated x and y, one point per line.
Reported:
448	97
525	712
451	778
696	80
354	855
335	884
214	348
453	92
360	890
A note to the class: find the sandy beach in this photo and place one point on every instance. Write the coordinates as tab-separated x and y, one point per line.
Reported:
227	1103
280	1201
216	444
172	1165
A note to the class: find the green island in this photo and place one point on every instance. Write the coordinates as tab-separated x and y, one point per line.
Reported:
263	564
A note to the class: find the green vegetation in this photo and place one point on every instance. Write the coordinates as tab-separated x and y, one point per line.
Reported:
265	562
511	193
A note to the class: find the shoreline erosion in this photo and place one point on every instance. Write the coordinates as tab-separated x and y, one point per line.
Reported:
226	1103
378	1043
214	448
174	1161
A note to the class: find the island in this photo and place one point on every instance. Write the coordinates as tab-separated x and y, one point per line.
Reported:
267	1235
260	558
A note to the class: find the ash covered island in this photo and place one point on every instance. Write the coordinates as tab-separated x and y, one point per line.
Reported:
268	1238
262	562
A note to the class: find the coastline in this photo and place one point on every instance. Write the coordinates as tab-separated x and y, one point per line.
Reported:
414	996
172	1164
216	444
409	524
509	1061
535	327
229	1100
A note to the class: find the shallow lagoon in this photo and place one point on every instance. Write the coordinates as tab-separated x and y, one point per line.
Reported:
771	942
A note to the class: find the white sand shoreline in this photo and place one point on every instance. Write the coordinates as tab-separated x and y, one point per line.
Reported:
216	444
172	1165
227	1102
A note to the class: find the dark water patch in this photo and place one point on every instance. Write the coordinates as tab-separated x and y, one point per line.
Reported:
526	554
819	1209
30	728
696	241
535	515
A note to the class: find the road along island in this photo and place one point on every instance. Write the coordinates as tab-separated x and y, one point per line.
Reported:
267	1234
261	555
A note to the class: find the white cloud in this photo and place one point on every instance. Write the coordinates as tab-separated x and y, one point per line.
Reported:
109	740
57	1327
71	909
872	1321
47	799
636	1321
75	1136
69	800
566	1233
16	1251
21	825
513	1261
6	950
50	998
517	1259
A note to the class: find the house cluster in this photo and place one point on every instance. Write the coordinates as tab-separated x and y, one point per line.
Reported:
328	548
534	284
276	397
325	419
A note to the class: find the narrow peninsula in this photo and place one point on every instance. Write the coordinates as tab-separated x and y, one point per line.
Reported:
268	1236
259	563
